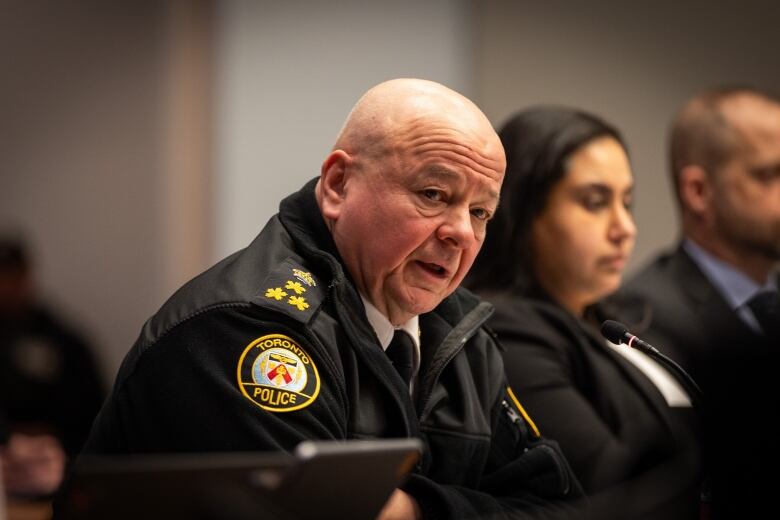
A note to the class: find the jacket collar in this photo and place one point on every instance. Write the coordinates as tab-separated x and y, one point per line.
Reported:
301	216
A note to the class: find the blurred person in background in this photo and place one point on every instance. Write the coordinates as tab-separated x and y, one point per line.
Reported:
714	298
720	281
555	250
50	389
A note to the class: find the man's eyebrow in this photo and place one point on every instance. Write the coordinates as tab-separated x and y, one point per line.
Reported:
442	173
445	174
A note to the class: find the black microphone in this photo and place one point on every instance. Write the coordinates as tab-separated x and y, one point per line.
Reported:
618	333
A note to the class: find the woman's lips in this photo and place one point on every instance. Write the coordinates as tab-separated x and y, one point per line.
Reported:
614	261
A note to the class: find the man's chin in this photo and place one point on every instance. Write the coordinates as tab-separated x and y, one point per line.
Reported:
424	300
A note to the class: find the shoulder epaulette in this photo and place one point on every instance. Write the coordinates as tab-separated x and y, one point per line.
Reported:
292	290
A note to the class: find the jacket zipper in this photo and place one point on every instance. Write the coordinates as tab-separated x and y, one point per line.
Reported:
459	341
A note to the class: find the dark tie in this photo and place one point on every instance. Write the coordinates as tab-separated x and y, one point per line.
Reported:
401	353
766	308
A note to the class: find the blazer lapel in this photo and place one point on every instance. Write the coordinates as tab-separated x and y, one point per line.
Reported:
655	400
708	304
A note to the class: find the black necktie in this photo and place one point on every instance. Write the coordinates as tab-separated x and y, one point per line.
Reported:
401	353
766	308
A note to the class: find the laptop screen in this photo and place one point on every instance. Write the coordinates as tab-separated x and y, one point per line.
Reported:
322	479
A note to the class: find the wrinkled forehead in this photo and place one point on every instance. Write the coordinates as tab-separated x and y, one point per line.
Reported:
470	144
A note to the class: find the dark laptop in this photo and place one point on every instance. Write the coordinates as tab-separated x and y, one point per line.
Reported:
322	479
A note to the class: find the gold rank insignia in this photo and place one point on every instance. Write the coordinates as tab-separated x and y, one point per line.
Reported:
292	290
276	374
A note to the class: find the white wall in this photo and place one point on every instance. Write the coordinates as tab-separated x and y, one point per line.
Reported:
104	155
80	158
288	74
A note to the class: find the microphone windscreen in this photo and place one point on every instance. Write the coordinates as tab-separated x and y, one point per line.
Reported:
614	331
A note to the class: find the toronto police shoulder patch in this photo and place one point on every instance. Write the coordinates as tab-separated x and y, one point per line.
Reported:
292	290
277	375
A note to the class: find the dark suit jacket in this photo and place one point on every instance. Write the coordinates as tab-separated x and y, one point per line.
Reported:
687	317
691	322
635	456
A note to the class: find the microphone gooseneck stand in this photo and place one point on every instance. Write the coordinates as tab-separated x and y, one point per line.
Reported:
618	334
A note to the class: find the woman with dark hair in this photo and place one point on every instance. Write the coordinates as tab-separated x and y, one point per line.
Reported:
556	248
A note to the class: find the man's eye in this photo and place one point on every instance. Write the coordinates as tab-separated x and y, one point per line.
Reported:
433	195
480	213
766	174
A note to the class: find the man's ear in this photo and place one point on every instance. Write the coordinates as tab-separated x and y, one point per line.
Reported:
695	188
333	183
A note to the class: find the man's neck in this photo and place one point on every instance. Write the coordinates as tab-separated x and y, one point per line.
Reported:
753	265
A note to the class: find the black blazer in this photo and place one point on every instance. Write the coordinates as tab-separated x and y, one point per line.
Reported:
691	322
687	317
635	456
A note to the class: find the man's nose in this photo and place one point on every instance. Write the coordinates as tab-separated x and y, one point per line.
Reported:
458	228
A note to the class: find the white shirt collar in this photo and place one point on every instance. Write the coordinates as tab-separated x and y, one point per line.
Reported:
732	283
385	330
735	286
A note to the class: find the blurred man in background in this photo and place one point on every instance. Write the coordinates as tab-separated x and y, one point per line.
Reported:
714	299
50	390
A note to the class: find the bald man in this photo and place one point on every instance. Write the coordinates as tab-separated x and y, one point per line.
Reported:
343	319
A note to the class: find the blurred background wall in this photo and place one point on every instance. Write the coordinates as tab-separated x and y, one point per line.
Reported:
141	141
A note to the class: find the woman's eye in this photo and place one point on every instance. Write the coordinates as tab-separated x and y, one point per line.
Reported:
594	203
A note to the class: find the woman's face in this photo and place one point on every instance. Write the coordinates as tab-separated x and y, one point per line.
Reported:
582	239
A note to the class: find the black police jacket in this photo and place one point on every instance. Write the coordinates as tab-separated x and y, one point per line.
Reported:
271	347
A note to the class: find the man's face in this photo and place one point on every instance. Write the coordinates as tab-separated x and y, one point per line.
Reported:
412	222
746	195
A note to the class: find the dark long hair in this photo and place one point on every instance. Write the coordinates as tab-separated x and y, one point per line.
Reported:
538	143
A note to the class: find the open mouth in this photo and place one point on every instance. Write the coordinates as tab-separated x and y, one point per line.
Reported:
433	268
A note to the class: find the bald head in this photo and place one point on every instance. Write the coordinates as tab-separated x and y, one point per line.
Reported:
399	106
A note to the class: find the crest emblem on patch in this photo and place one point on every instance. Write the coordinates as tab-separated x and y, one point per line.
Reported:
275	373
305	277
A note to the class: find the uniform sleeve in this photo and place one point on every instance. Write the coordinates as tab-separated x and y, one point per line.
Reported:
223	381
526	477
